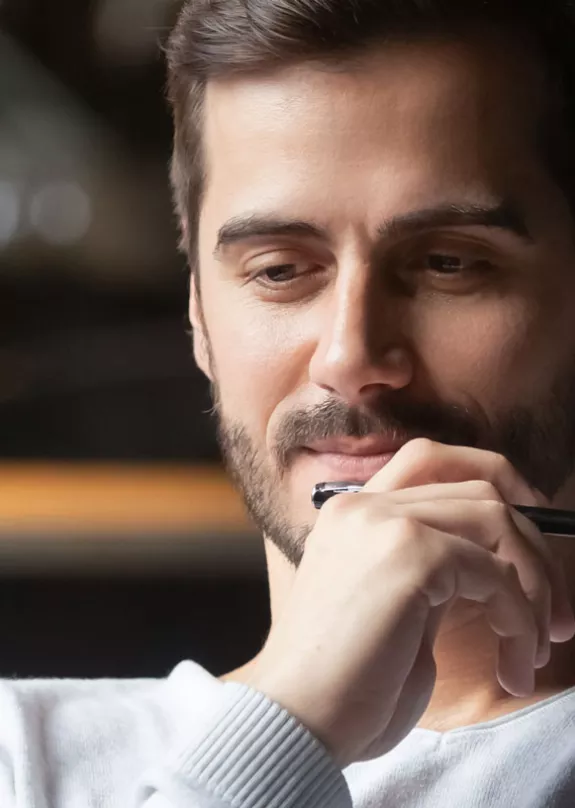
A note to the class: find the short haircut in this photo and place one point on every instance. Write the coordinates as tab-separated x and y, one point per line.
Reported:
225	38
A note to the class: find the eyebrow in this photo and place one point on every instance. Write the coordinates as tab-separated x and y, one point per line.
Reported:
243	228
504	216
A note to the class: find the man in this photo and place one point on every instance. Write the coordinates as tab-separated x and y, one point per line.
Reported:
377	203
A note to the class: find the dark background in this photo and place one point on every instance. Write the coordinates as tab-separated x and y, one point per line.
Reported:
95	359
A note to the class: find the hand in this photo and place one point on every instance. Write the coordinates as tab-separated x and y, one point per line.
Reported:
351	654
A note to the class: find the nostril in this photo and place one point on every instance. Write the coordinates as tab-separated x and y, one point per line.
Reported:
357	377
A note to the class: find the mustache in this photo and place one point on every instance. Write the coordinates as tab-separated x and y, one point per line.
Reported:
394	419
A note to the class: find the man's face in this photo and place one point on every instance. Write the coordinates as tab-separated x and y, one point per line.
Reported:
383	255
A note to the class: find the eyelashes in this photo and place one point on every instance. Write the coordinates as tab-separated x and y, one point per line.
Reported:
445	265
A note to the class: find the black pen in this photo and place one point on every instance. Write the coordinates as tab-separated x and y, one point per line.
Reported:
548	520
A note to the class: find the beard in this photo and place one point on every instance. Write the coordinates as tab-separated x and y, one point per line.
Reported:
539	442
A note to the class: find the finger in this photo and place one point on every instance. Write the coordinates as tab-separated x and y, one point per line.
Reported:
509	615
422	461
561	618
490	525
465	570
468	489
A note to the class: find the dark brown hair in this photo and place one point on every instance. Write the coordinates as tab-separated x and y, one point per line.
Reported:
219	38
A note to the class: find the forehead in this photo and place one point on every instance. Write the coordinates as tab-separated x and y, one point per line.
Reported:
409	124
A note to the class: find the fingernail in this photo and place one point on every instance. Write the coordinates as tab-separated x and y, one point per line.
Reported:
543	656
563	630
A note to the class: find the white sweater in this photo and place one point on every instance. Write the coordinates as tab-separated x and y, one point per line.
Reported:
190	741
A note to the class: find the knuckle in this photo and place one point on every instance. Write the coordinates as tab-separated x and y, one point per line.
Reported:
341	505
403	529
497	510
423	558
353	515
402	546
486	490
500	459
336	512
502	466
421	449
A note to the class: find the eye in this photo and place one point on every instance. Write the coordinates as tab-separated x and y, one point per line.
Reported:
444	263
281	273
283	276
449	265
291	281
450	268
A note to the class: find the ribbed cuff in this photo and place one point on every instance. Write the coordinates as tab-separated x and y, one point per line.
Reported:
257	755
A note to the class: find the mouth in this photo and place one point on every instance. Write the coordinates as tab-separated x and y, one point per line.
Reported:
348	459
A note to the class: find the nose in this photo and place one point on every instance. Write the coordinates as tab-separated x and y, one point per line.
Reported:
362	350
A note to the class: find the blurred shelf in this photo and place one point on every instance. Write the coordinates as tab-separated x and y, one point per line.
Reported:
118	498
122	518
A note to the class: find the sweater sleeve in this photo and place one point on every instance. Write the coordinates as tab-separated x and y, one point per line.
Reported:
251	754
187	741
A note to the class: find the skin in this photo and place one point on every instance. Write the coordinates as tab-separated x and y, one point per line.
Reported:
409	128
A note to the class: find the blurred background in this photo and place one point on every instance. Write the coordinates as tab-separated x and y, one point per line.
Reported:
123	548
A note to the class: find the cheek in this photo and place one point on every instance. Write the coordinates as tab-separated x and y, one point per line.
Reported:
258	359
481	351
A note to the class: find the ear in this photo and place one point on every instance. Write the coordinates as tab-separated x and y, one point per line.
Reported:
200	340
